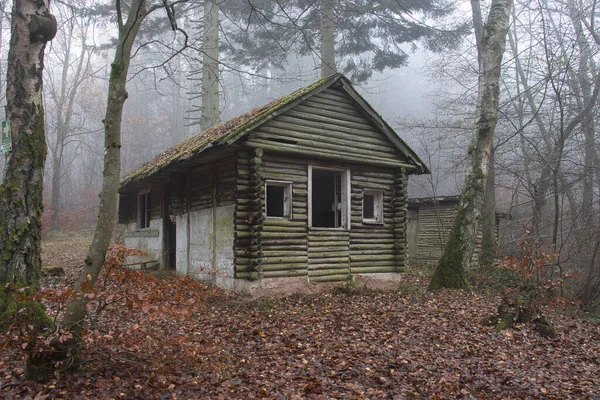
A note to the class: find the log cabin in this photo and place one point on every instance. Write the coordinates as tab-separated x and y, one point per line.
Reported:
308	188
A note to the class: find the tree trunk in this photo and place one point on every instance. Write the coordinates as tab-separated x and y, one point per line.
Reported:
327	39
21	203
458	252
489	242
210	68
488	214
117	94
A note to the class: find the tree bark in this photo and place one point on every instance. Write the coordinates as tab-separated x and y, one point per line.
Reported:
210	68
327	39
117	94
458	252
488	213
21	203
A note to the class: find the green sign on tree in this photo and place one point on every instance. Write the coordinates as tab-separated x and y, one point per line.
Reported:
6	143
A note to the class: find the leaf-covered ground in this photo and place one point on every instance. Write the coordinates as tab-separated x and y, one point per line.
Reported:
363	344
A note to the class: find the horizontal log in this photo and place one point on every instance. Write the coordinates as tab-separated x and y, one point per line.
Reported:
371	257
360	247
373	252
284	131
326	125
372	270
318	253
287	247
284	274
372	264
307	108
347	153
332	155
281	259
281	228
333	104
317	267
326	272
284	253
281	235
328	232
272	221
267	242
328	260
336	96
285	177
284	267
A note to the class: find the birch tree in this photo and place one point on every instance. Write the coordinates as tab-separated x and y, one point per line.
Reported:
458	252
21	203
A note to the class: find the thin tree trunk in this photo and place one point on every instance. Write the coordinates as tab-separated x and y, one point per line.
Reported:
117	94
21	203
489	242
458	253
210	68
488	214
327	39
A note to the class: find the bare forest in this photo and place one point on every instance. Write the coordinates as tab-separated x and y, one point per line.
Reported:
499	99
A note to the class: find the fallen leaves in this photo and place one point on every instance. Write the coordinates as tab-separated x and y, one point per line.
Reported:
331	345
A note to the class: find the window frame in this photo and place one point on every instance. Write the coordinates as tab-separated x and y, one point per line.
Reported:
144	216
377	206
345	200
287	198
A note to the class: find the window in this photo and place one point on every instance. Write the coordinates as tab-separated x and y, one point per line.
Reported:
278	199
329	195
144	208
373	206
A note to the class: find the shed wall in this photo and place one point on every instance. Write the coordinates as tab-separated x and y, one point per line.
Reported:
281	247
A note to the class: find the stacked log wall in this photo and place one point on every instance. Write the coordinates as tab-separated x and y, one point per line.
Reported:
329	124
372	245
284	240
249	198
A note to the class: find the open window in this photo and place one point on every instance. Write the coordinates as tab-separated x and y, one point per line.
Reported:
373	207
329	197
278	199
144	208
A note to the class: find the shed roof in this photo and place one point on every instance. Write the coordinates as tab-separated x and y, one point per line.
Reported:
230	131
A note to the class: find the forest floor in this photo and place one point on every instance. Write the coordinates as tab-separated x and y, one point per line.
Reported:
183	340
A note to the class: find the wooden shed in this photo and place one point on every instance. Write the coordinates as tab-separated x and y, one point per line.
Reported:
429	221
308	188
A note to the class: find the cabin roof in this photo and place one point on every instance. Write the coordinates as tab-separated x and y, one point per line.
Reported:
230	131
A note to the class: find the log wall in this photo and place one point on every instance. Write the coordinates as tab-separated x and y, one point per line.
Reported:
372	245
329	124
268	247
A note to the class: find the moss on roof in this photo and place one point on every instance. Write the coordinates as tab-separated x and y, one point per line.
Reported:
226	133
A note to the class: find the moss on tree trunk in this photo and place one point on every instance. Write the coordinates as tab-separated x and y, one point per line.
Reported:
21	203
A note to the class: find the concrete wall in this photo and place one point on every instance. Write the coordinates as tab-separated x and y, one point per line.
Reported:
148	240
210	244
